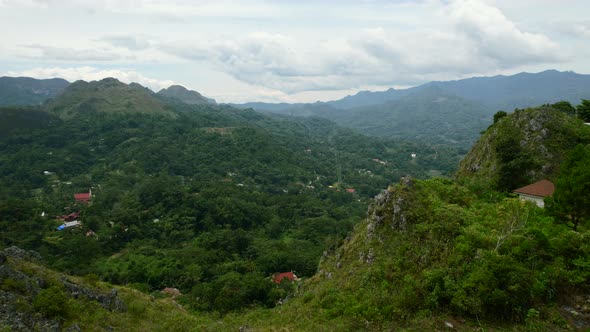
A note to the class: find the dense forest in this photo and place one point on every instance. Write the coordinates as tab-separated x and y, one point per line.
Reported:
211	200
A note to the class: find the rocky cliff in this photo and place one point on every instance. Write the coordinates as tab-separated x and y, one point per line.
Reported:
523	147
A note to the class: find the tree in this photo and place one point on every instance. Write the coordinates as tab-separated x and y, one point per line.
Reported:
583	110
571	199
514	162
565	107
499	115
51	302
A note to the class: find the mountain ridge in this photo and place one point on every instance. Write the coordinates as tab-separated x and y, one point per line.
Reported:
554	89
185	95
29	91
107	95
523	147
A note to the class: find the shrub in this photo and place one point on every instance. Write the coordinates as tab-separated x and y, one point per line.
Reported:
51	302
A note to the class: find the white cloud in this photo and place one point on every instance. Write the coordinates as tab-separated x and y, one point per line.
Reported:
465	37
495	37
162	8
87	73
284	50
133	43
77	55
581	29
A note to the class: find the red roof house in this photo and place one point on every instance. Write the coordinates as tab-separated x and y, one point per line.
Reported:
82	197
350	190
277	278
536	192
69	217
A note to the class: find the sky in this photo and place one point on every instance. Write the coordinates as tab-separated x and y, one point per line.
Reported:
290	51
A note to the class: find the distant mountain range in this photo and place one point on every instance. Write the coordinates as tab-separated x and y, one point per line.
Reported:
497	92
26	91
448	113
452	112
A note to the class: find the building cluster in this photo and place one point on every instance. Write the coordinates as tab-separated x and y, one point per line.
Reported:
73	219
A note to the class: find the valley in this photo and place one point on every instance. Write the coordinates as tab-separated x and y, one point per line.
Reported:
191	207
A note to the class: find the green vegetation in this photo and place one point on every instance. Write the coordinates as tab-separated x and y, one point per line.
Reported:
571	201
186	96
212	201
51	302
583	110
42	300
431	251
107	95
29	91
523	147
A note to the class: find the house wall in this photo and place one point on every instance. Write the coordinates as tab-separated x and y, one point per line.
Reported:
536	199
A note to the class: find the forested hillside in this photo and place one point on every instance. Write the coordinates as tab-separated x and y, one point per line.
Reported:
430	115
114	186
29	91
210	200
525	146
449	114
438	255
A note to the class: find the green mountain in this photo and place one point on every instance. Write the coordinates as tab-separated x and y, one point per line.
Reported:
436	255
107	95
211	200
186	96
29	91
430	115
525	146
432	256
495	93
448	113
521	90
22	119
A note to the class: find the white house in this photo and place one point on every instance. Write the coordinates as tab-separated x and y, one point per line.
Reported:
536	192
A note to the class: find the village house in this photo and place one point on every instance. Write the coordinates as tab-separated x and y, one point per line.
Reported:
69	217
83	197
536	192
277	278
69	224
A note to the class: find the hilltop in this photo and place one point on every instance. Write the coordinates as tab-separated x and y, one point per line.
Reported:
181	93
29	91
107	96
523	147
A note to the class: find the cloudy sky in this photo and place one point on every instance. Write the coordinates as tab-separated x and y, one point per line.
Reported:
293	51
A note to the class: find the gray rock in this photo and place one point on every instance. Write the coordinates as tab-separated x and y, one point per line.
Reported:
109	301
74	328
370	256
20	254
13	317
